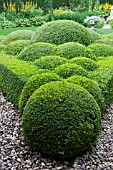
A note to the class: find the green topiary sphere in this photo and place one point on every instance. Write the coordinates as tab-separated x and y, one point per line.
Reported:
61	120
37	50
85	62
71	50
91	86
101	49
15	47
61	31
66	70
49	62
107	41
34	83
18	35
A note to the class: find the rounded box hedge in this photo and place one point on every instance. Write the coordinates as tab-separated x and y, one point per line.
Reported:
71	50
33	84
85	62
61	120
101	49
91	86
15	47
61	31
49	62
18	35
66	70
37	50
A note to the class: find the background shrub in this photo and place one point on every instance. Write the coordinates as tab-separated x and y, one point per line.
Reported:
94	34
91	86
33	84
18	35
85	62
1	37
61	120
49	62
107	41
71	49
67	70
15	47
61	31
101	49
37	50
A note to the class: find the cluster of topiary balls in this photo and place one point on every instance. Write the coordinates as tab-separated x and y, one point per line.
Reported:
62	101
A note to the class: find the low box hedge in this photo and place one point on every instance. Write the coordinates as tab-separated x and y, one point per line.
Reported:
13	75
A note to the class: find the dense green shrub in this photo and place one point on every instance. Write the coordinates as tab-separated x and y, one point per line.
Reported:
67	70
85	62
18	35
15	47
1	37
61	120
107	41
72	49
37	50
94	34
108	36
101	49
2	47
104	76
61	31
33	84
49	62
91	86
13	75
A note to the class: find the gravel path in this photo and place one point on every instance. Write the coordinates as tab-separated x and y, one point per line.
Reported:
16	155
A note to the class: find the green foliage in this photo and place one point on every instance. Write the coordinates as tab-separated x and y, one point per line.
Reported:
107	41
61	31
66	70
49	62
72	49
33	84
91	86
61	120
108	36
15	47
94	34
101	49
1	37
104	76
18	35
85	62
37	50
13	75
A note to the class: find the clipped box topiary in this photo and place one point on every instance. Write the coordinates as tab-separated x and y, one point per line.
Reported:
18	35
104	76
85	62
33	84
91	86
107	41
15	47
37	50
49	62
61	120
71	50
14	74
66	70
101	49
61	31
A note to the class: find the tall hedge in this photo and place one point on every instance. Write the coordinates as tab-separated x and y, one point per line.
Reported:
61	120
13	75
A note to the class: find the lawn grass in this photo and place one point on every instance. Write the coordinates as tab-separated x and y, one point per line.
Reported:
9	30
104	31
